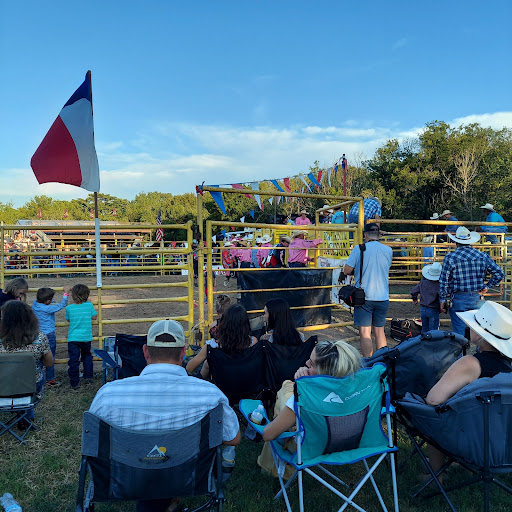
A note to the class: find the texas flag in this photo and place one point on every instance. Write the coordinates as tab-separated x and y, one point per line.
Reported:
67	153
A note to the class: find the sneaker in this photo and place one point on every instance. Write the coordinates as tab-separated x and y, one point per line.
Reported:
76	388
53	383
88	380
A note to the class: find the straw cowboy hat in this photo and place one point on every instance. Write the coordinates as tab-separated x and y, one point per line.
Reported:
435	216
432	272
304	212
285	239
446	212
487	206
464	236
266	239
329	210
493	322
228	244
298	232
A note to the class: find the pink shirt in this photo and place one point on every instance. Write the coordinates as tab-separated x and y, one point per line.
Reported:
299	221
262	253
244	254
298	249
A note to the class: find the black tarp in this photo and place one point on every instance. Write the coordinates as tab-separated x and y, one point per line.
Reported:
295	298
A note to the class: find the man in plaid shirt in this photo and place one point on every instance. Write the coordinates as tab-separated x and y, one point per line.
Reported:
463	276
372	210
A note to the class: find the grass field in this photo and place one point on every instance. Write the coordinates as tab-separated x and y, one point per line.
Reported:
43	474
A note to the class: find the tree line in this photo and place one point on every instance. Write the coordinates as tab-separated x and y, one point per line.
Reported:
456	168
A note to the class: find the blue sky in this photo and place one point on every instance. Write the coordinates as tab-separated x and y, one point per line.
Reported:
234	91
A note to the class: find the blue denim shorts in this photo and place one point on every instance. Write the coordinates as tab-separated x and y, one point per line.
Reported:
372	313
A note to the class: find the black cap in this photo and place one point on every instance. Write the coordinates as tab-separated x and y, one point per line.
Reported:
372	227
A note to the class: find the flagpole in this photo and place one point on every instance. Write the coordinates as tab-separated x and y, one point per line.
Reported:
97	233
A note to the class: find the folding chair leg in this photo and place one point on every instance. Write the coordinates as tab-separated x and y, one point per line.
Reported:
301	494
375	488
282	484
394	482
334	477
287	485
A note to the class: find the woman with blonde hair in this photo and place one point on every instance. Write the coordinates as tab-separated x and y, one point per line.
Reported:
15	289
333	358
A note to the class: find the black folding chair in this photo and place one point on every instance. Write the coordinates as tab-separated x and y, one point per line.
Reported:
128	465
17	392
281	362
461	429
128	360
239	375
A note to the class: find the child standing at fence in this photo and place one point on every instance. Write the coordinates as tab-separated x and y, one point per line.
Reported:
428	289
45	313
80	315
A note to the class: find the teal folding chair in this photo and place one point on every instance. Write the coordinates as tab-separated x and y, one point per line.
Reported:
339	421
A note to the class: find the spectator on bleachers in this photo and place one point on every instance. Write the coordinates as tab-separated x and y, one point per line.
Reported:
281	328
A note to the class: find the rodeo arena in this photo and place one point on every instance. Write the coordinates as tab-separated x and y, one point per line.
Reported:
299	348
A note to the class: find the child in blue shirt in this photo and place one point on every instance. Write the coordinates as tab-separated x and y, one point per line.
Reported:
45	313
80	315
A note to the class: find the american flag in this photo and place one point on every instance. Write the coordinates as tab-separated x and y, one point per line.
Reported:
159	232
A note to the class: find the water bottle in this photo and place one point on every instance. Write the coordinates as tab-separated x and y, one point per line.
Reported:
228	459
257	415
9	503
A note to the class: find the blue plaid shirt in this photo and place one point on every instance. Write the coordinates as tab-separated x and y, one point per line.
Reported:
465	269
371	208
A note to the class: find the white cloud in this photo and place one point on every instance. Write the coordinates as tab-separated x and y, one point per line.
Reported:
176	157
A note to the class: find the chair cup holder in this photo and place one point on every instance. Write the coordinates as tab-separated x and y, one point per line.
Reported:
262	423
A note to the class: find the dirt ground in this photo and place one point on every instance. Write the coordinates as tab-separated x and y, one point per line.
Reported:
161	309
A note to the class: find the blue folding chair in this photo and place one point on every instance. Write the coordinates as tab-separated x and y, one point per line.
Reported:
338	422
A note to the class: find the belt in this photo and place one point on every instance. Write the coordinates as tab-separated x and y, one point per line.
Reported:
466	293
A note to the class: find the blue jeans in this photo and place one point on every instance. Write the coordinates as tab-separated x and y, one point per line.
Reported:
462	301
429	319
491	238
75	350
50	371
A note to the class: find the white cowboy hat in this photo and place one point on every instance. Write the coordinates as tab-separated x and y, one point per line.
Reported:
432	272
329	210
228	244
435	216
304	212
298	232
464	236
493	322
488	206
266	239
427	239
446	212
258	240
285	239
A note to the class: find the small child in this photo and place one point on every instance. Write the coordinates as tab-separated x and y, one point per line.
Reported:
79	316
45	313
428	289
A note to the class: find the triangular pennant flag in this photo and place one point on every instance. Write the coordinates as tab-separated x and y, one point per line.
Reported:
313	180
240	187
276	184
286	182
329	172
223	232
335	170
242	219
217	197
270	200
256	186
306	183
320	176
251	213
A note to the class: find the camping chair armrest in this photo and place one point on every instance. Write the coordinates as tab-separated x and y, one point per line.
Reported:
390	409
247	406
105	357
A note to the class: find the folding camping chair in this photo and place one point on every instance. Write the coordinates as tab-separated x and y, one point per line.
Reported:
461	428
17	392
128	359
338	422
127	465
240	375
281	361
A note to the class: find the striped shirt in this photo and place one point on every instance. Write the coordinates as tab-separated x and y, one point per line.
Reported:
79	317
162	397
465	270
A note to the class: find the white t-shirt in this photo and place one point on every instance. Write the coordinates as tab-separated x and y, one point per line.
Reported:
376	265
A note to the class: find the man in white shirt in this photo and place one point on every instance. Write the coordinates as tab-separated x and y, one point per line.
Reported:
375	283
163	396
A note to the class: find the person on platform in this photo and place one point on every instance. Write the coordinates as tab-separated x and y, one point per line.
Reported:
463	277
491	216
375	283
298	253
264	249
278	254
326	215
372	211
163	397
288	221
448	215
338	217
303	219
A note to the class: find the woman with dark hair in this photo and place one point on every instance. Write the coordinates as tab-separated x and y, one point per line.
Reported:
281	328
234	335
15	289
19	332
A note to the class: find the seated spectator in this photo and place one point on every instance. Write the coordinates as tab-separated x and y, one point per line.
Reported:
234	335
281	328
222	303
19	332
491	331
334	358
163	397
